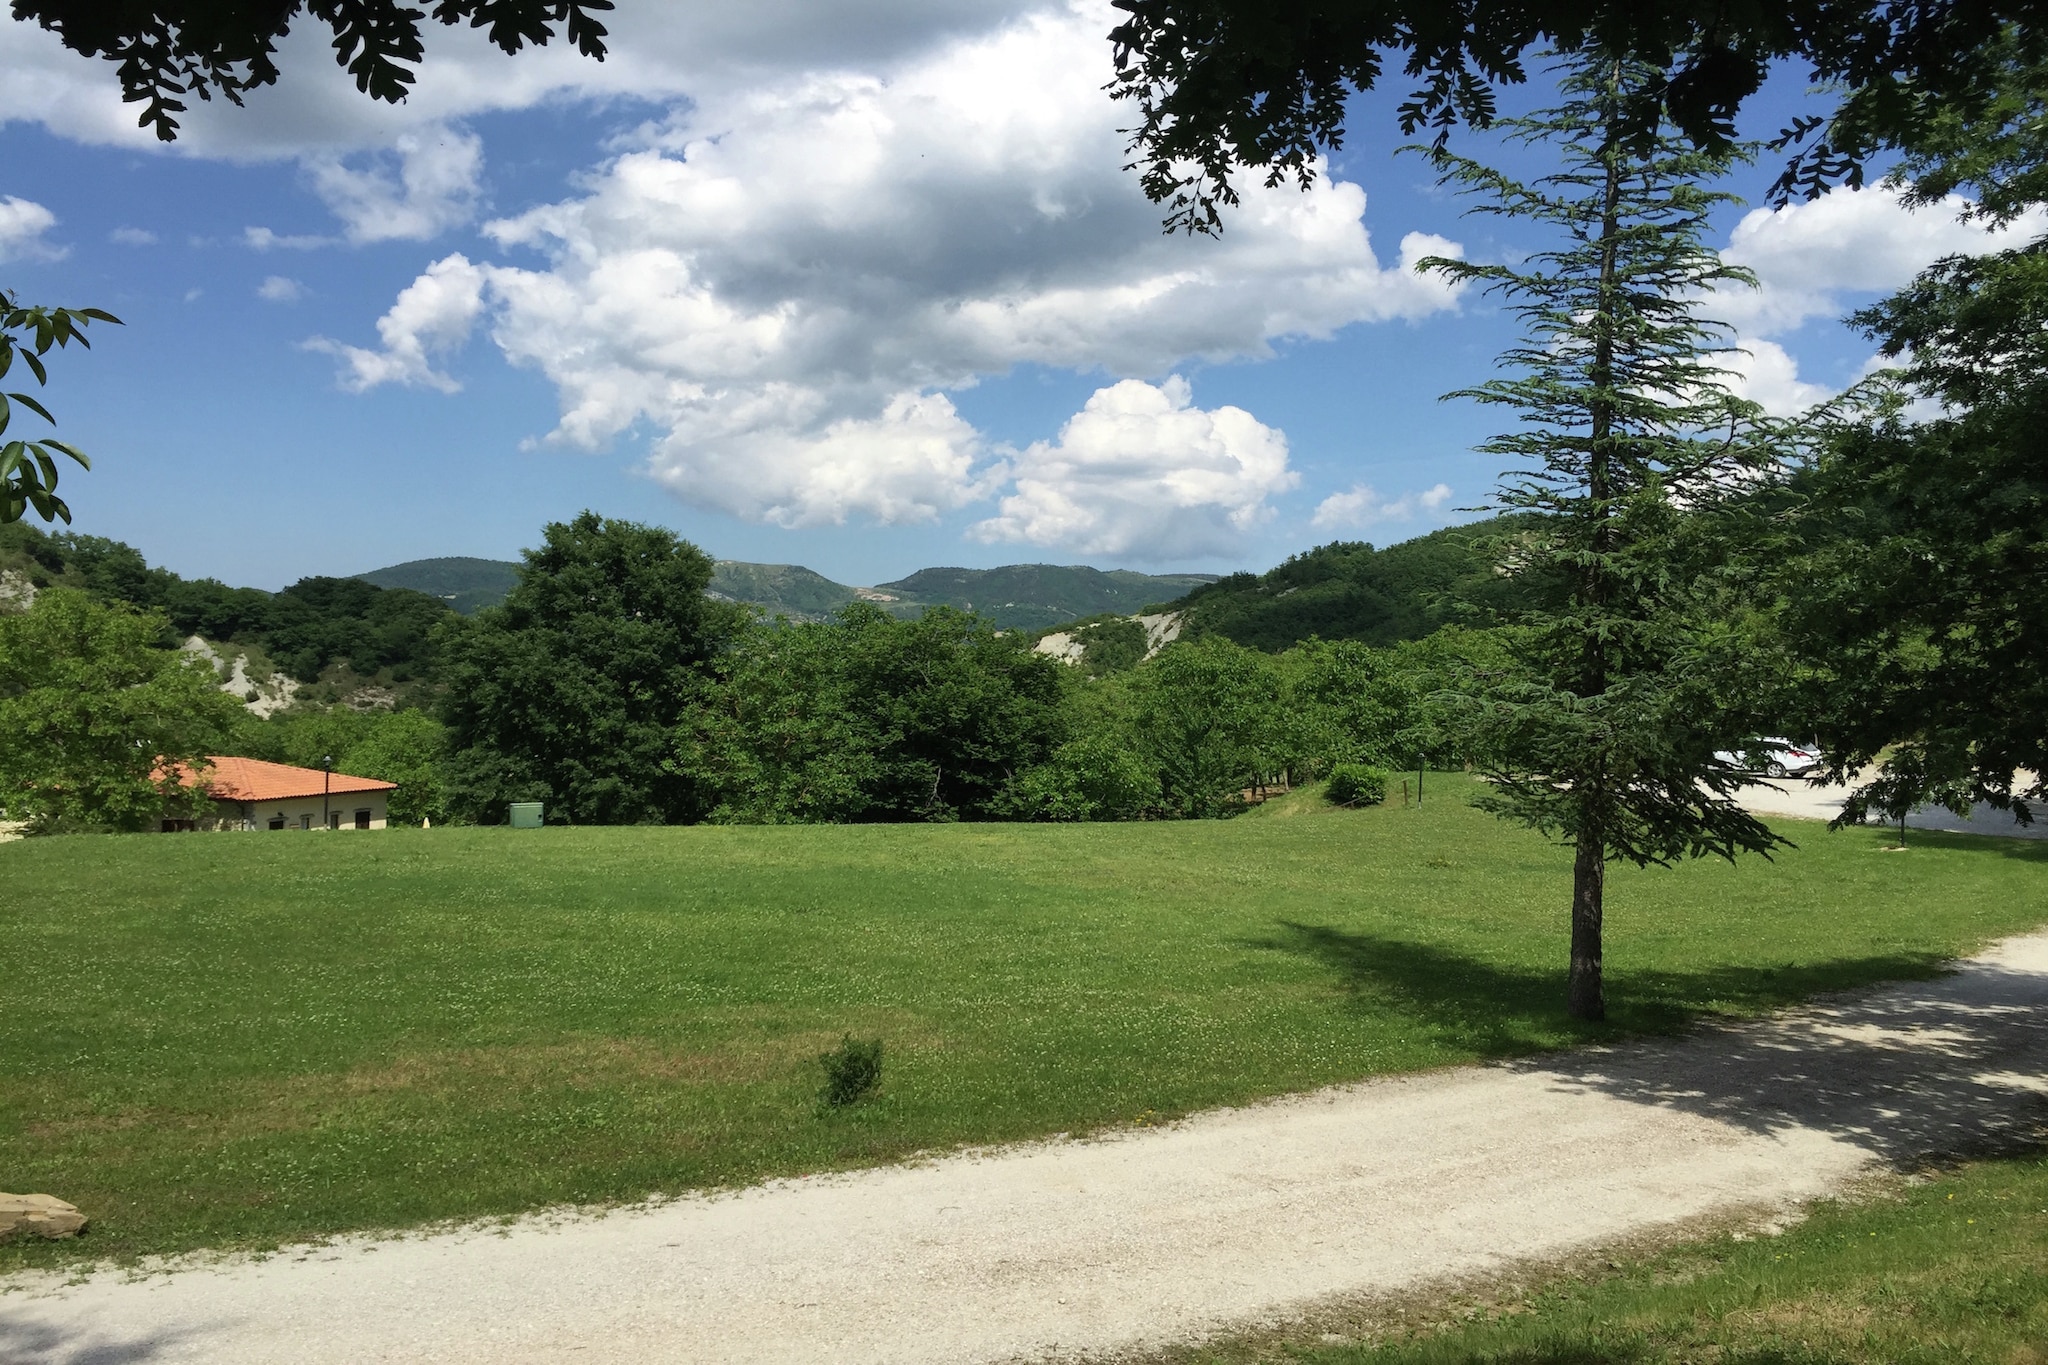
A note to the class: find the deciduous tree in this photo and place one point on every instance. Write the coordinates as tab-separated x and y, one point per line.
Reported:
871	718
1918	596
570	693
170	48
1265	85
1206	715
97	719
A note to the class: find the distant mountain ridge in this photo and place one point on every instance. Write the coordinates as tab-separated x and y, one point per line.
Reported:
1015	596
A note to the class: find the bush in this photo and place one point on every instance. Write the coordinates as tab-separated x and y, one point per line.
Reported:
1096	778
1357	784
851	1070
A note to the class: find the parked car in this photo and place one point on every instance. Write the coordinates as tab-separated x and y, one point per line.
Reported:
1775	757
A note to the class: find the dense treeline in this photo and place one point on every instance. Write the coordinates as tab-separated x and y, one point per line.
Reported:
612	688
609	688
316	624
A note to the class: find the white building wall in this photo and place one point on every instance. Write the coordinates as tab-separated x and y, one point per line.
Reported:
353	810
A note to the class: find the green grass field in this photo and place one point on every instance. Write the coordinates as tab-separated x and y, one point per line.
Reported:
1953	1271
236	1040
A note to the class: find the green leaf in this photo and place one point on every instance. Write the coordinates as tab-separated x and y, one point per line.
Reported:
36	365
33	406
73	451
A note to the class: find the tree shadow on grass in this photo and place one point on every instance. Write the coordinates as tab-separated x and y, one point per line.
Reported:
2029	848
1496	1010
1946	1064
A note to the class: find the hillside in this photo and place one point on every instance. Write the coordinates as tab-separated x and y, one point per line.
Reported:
464	583
1017	596
352	638
781	589
470	585
1033	596
1349	590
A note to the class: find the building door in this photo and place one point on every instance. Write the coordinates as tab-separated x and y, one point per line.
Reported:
363	818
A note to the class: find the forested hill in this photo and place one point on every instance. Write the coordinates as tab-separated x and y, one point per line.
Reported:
1032	596
1016	596
465	584
1348	590
788	589
311	629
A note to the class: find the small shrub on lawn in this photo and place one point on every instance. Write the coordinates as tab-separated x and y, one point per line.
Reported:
851	1070
1357	784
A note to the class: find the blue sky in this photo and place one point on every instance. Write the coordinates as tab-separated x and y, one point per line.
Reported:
866	301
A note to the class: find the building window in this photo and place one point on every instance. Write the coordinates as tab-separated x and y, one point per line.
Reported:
277	822
363	818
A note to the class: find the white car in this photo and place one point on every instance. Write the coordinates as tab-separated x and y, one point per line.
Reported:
1775	757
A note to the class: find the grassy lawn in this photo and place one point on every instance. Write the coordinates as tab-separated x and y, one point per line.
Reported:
234	1040
1954	1272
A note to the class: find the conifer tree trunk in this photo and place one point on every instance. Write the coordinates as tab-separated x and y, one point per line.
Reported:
1585	998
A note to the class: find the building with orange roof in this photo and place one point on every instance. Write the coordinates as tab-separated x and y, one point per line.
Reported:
249	793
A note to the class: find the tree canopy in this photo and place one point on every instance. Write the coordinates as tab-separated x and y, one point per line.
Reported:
868	717
1263	84
570	693
97	720
1917	594
170	48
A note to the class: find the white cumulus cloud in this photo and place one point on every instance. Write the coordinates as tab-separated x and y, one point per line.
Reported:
1822	257
1361	505
1142	473
434	186
1808	256
433	314
132	236
280	289
22	225
781	283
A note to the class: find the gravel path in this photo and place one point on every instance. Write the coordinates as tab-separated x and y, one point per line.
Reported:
1228	1218
1809	801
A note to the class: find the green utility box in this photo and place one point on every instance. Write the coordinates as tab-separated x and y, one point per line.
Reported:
526	814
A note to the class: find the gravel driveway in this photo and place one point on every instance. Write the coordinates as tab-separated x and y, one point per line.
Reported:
1226	1219
1798	797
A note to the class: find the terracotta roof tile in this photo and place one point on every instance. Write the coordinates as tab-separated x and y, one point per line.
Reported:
252	779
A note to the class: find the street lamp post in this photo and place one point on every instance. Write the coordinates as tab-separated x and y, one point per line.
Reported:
326	784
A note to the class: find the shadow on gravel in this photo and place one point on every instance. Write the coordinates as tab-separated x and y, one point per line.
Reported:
1951	1065
32	1343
